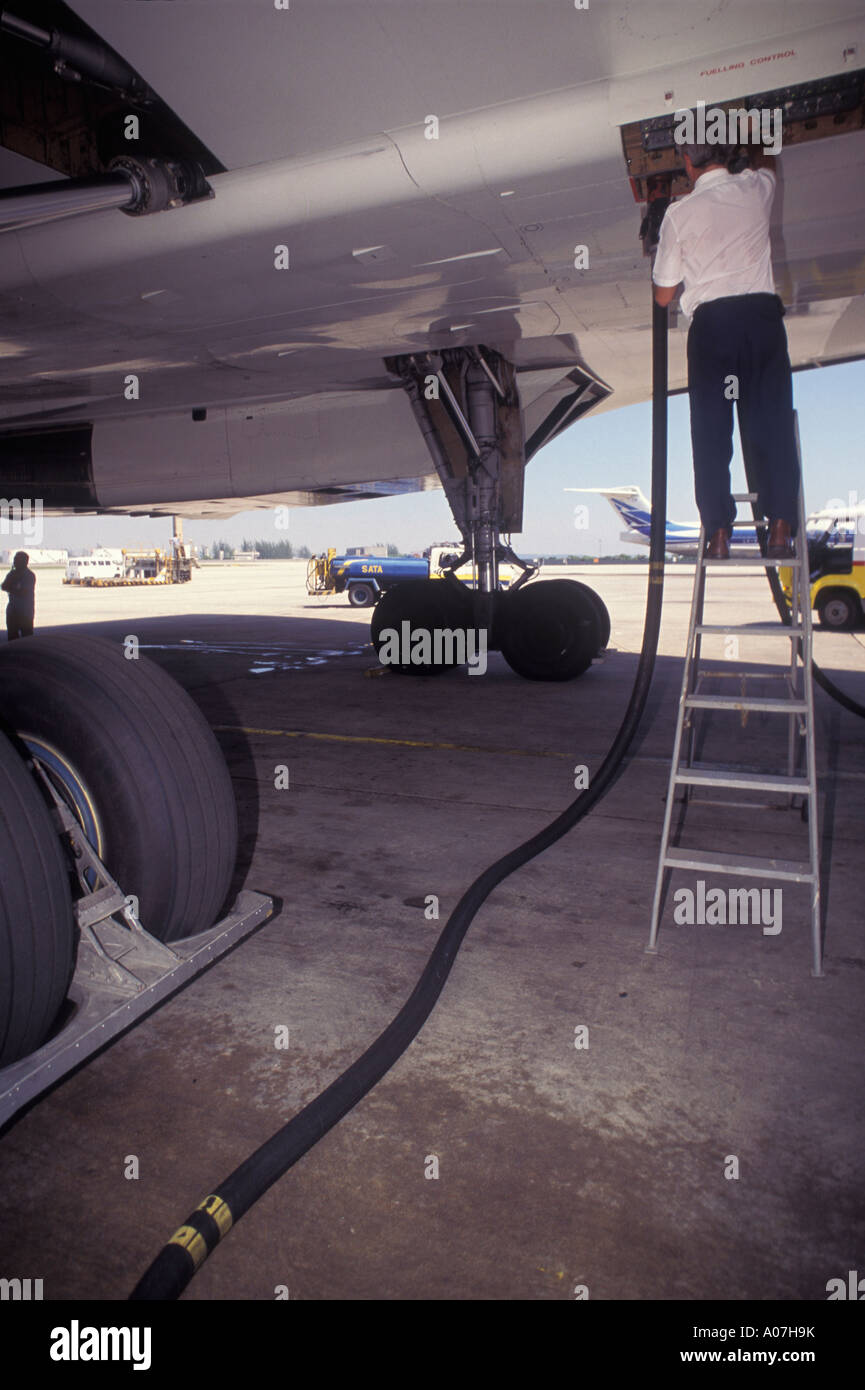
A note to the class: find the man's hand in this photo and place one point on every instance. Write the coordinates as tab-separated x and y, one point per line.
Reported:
759	159
664	294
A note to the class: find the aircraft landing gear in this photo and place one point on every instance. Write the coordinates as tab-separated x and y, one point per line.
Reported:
137	765
421	606
466	403
549	631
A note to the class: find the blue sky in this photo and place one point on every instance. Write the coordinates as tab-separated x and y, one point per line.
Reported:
599	451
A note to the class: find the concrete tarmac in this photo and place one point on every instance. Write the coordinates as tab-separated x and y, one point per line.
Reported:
575	1113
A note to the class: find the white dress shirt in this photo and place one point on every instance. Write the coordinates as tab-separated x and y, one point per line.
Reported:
717	238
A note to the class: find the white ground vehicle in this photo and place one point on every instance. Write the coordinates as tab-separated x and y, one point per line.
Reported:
102	564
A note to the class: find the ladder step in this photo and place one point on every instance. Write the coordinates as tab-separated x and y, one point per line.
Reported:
744	496
727	802
778	629
730	777
768	706
746	865
739	562
738	673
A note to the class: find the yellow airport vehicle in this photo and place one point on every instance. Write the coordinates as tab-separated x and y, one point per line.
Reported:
836	556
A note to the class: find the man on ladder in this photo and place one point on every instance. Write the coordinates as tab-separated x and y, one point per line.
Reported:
716	241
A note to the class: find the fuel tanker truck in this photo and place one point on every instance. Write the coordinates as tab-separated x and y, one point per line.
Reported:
366	577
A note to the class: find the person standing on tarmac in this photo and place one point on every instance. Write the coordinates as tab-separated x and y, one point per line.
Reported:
20	585
716	241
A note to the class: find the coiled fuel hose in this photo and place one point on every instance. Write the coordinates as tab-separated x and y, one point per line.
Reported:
191	1244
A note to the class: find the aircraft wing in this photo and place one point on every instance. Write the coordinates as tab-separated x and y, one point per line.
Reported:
386	179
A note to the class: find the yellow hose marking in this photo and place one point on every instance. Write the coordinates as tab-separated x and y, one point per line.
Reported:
394	742
219	1210
192	1242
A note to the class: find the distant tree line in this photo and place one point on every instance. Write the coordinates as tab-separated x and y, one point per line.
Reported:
278	550
620	559
267	550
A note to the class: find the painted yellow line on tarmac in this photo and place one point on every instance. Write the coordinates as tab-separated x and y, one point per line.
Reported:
393	742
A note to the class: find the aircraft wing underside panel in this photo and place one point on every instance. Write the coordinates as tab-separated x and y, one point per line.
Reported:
235	347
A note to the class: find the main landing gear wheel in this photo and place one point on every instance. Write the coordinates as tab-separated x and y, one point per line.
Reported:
131	754
37	927
426	605
597	603
550	630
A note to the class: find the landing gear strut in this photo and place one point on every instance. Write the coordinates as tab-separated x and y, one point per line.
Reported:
466	403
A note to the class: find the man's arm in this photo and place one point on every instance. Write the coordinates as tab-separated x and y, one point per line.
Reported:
668	263
664	294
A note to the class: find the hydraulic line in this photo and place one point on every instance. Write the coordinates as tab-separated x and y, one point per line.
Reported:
48	202
78	58
187	1249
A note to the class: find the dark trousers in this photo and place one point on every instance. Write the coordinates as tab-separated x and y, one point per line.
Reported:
737	350
18	623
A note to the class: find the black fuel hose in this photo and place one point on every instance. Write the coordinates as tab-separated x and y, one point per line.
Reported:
177	1262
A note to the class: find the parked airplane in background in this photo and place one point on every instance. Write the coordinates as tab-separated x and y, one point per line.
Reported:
840	525
634	508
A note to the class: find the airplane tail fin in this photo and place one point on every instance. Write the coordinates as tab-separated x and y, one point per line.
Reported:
628	502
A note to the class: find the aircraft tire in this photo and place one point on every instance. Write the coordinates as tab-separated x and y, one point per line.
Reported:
140	766
600	608
38	936
550	630
426	604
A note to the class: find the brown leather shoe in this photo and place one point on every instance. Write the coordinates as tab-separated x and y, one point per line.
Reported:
719	546
780	544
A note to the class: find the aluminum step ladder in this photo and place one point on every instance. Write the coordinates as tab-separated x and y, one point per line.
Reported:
795	701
